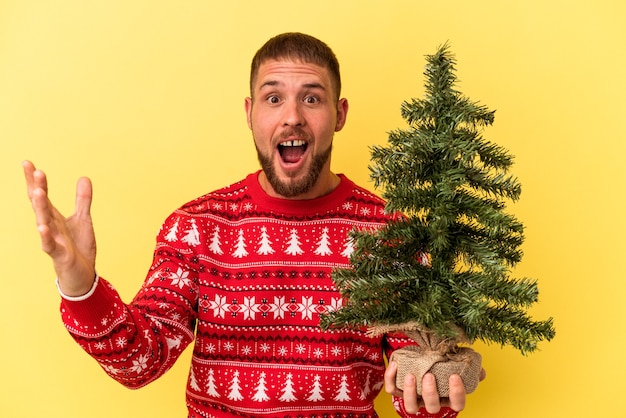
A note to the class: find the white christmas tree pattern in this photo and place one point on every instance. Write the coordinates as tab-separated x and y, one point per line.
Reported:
294	243
216	244
261	390
171	235
323	247
366	386
348	248
235	388
174	342
193	236
378	386
240	247
316	394
265	245
288	390
343	394
192	380
211	388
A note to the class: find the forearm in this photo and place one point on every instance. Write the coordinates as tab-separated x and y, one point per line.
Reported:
133	344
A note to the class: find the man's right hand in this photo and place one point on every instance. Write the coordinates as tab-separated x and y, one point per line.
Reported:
70	242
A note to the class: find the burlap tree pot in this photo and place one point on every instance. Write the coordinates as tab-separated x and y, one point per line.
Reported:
441	357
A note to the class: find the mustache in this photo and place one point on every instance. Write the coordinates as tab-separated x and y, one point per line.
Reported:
293	132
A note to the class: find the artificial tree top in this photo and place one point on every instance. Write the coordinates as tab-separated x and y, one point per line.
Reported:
446	264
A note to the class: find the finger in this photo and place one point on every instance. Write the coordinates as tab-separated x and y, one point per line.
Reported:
47	225
84	195
430	396
50	223
483	374
457	393
29	170
390	379
40	180
411	400
48	243
35	179
42	207
36	186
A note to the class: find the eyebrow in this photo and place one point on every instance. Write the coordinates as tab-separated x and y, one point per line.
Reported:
314	86
273	83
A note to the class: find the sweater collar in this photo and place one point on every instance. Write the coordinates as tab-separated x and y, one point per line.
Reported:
323	204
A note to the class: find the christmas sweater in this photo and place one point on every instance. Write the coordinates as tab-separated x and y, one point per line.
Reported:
247	276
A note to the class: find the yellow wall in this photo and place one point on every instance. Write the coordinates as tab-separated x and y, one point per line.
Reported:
146	98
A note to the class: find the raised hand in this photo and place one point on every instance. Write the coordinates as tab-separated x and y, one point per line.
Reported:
70	242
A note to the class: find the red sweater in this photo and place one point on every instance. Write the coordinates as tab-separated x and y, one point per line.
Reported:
250	274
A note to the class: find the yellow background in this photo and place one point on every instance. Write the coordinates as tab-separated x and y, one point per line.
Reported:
146	98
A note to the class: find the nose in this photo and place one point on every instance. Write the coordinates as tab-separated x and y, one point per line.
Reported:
292	114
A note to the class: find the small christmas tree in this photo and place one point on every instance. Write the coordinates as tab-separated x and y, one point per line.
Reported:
441	272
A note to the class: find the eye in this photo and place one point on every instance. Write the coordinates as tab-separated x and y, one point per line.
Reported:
273	99
311	100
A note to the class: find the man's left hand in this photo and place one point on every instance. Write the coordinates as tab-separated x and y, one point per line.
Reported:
429	399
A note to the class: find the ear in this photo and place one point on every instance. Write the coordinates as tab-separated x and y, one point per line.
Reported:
342	113
248	106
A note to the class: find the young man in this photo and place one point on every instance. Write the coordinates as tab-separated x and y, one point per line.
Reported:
247	269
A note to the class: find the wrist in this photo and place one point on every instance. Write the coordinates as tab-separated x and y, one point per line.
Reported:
80	295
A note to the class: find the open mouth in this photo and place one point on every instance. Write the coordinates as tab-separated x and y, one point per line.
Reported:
292	151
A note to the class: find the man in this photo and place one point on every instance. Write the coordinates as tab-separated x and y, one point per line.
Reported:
246	269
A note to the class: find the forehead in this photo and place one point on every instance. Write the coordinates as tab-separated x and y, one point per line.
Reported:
275	72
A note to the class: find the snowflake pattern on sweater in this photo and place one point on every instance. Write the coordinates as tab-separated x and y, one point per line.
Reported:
249	276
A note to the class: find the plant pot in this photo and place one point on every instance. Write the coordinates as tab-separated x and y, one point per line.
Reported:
419	360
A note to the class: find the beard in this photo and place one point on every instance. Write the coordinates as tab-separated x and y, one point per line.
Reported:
294	187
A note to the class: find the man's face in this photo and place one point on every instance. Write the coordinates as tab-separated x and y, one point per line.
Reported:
293	116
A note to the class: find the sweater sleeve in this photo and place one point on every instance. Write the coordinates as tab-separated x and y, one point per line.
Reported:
138	342
444	412
396	341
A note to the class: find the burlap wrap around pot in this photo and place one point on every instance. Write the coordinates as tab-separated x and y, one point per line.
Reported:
440	357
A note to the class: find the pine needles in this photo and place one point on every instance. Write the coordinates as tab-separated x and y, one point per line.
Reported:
452	185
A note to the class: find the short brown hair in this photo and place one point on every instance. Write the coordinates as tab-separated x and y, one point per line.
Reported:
298	47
